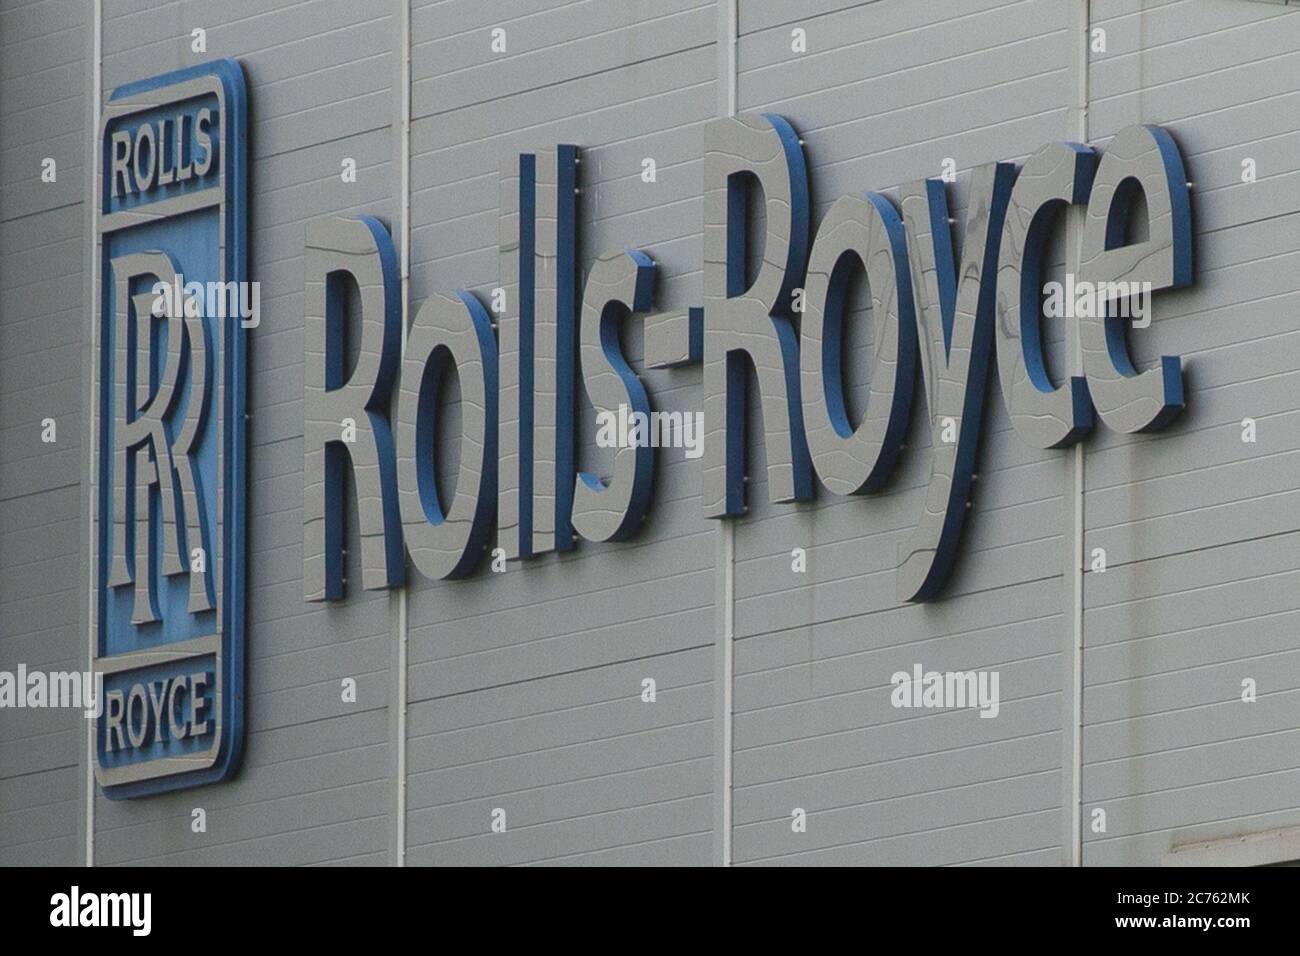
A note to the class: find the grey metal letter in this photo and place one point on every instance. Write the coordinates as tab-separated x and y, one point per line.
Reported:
619	284
751	325
955	328
361	248
858	231
1139	159
448	542
1044	415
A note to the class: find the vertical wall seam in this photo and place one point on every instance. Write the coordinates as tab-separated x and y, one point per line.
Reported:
1085	13
1076	564
728	537
732	39
725	553
88	405
399	598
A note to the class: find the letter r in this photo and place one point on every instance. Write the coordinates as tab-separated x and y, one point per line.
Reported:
146	459
360	250
750	326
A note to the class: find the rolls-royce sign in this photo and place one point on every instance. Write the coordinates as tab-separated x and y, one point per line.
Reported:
169	427
939	320
170	418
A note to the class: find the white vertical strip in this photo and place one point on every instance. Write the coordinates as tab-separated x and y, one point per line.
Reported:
728	542
96	99
725	48
398	599
725	555
1076	563
724	591
732	38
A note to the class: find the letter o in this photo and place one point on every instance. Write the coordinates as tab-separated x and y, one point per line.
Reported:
447	542
867	231
136	696
144	180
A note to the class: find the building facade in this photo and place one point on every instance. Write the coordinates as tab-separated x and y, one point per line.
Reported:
709	690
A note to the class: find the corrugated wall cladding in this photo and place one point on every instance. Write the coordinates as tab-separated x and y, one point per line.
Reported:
524	688
884	94
315	784
43	112
1201	529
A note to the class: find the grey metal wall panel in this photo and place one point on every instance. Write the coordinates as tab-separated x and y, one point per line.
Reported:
525	686
43	104
878	101
315	785
759	15
1202	530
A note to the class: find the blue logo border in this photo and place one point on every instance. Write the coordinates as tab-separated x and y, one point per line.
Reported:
234	146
